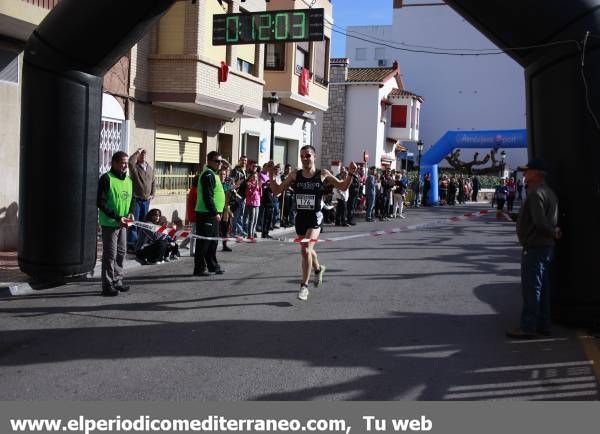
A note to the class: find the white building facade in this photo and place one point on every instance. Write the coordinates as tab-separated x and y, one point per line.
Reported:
370	116
464	93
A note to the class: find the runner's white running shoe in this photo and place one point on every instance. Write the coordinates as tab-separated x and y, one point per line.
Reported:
303	293
319	276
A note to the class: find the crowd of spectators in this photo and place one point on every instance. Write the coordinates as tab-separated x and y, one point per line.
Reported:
252	210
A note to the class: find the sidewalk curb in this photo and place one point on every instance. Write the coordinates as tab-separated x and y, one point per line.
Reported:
14	289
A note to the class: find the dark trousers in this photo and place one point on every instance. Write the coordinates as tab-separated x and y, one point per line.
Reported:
156	251
205	256
267	219
351	206
340	213
223	230
140	209
510	202
287	210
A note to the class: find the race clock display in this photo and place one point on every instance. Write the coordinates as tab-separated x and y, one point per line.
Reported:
269	26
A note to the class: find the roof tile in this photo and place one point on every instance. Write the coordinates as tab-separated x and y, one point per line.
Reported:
375	75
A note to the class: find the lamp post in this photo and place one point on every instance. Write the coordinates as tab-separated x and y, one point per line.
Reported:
420	149
273	109
503	156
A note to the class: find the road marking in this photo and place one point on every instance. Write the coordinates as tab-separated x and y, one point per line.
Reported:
591	348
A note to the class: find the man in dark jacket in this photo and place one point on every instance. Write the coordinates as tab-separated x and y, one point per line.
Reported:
238	176
115	204
476	188
537	231
209	209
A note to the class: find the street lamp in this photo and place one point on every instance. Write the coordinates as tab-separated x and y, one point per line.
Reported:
273	109
503	156
420	149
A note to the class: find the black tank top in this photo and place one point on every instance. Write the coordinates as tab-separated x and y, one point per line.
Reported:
308	192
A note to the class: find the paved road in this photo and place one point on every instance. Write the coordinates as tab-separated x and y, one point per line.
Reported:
419	315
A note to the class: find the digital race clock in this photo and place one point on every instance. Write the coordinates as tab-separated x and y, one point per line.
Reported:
268	26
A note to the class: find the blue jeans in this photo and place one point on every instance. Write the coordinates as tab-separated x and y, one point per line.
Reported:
276	220
140	209
370	206
238	218
535	285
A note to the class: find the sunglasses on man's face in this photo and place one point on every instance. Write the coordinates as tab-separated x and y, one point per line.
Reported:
217	161
305	156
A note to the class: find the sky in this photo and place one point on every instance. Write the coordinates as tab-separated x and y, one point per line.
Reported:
357	13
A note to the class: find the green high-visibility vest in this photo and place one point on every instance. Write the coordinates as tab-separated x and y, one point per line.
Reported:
119	197
218	194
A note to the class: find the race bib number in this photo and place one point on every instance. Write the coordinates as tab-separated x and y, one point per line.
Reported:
305	201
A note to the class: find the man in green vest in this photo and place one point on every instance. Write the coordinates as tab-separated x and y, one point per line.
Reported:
209	209
115	204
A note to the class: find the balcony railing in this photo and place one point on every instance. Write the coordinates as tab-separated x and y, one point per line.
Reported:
45	4
173	184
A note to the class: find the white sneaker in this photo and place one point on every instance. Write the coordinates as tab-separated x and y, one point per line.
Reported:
402	216
319	276
303	293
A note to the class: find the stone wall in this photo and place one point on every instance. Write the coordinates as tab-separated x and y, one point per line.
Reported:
334	119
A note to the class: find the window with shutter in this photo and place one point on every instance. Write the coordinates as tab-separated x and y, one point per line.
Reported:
274	57
302	56
398	116
321	68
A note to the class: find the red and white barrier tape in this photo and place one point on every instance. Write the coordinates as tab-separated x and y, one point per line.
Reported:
183	234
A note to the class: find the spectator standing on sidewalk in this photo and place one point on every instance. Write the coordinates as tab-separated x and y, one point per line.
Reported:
399	195
209	210
370	193
239	175
266	203
353	192
253	192
512	194
476	188
144	189
226	217
341	196
115	203
417	188
287	200
537	229
501	195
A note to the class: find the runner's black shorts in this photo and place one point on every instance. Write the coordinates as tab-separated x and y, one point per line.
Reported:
308	220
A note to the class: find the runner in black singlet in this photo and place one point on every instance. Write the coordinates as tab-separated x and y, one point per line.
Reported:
308	188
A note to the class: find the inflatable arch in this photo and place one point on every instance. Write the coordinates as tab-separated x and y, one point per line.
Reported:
72	48
500	139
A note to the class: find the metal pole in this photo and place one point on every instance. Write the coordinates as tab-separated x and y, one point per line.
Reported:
272	155
418	178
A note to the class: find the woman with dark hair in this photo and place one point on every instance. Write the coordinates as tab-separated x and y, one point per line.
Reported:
155	247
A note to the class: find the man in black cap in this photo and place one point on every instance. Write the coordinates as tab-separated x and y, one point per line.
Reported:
537	231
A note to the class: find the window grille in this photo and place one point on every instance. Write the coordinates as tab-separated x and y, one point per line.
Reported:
111	141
